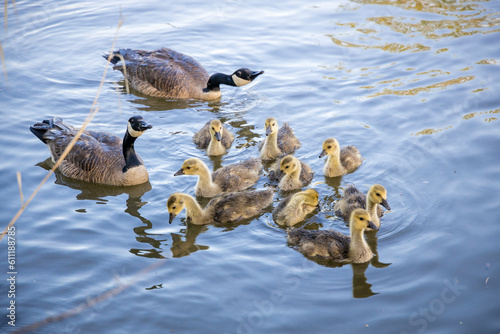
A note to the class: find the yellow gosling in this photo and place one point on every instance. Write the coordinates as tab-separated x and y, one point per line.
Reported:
353	199
214	137
296	207
278	141
334	245
339	162
231	207
231	178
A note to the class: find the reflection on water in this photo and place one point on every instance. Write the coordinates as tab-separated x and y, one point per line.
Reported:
187	246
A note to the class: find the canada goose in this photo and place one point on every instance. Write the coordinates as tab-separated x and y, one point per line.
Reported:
221	209
296	207
291	173
334	245
277	142
230	178
214	137
339	162
171	74
353	199
97	157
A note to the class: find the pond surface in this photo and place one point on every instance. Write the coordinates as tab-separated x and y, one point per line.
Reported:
413	84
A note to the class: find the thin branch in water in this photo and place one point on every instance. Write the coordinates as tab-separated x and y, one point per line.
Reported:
93	111
20	184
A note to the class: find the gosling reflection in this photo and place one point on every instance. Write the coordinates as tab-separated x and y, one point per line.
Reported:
187	246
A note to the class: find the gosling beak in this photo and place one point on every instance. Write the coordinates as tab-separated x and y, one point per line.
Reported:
323	153
144	126
268	130
179	172
385	204
218	136
255	74
171	217
372	225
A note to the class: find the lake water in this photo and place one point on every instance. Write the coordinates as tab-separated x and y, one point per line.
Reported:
413	84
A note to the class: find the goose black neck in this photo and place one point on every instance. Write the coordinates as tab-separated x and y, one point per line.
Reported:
131	159
218	79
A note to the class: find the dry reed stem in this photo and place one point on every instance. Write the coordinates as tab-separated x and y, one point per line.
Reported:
93	111
90	301
20	184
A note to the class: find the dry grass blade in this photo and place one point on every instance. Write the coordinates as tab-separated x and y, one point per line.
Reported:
93	111
20	184
6	3
90	301
3	62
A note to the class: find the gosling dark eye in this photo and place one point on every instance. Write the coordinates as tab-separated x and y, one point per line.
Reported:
378	194
188	167
173	207
274	124
361	218
329	147
287	167
213	129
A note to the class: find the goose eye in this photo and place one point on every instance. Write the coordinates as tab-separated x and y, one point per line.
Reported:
330	146
238	73
213	128
188	167
361	218
274	124
173	207
378	194
287	166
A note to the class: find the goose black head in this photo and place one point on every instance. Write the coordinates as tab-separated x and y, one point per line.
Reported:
137	126
244	76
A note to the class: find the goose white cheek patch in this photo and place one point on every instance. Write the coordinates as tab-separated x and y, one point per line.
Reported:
133	132
239	81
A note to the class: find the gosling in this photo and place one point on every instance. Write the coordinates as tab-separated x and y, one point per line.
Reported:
296	207
353	199
334	245
339	162
278	142
291	173
231	178
222	209
214	137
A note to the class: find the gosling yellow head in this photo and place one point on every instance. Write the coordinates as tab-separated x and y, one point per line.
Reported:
271	126
190	166
175	205
216	129
360	220
378	195
311	197
330	147
289	164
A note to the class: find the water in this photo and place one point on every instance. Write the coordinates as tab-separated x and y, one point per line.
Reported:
412	84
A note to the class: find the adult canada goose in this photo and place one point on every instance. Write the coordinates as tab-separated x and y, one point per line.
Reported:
171	74
353	199
291	173
214	137
339	162
296	207
277	142
230	178
334	245
97	157
225	208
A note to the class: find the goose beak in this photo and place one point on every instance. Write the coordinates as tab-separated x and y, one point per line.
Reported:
171	217
218	136
144	126
385	204
255	74
179	172
269	130
323	153
372	225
